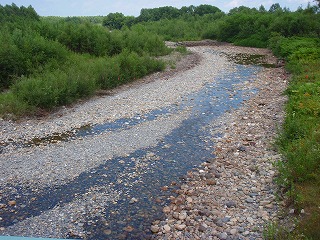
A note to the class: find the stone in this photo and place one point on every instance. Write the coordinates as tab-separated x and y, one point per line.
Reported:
223	236
249	200
202	228
180	227
211	182
155	229
128	229
107	232
166	209
133	200
189	199
230	204
233	231
12	203
264	203
269	205
242	149
183	215
219	223
167	228
225	219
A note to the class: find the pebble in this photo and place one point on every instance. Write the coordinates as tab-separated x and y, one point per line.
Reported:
183	215
223	236
155	228
233	231
218	203
12	203
167	228
180	227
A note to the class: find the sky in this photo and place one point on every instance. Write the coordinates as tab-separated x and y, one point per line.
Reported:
66	8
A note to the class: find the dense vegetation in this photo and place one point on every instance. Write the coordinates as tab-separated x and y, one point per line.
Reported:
47	63
300	139
51	61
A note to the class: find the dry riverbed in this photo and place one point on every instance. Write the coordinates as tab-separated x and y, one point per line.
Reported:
230	196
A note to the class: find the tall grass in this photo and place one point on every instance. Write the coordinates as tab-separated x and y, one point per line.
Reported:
300	140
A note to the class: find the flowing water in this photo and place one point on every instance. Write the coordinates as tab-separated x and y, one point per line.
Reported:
166	164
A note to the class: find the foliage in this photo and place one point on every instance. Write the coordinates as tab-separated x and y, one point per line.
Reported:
53	61
242	25
300	140
114	21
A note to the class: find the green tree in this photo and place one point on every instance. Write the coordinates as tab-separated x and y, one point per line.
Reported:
114	20
275	8
205	9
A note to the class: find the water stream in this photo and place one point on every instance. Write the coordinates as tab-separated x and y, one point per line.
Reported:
185	148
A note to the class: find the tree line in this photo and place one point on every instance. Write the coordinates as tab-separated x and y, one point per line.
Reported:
49	62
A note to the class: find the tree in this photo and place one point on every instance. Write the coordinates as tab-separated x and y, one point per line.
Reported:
114	20
206	9
262	9
275	8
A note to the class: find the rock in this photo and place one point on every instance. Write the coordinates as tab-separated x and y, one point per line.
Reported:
217	175
107	232
183	215
264	203
155	229
189	199
202	228
223	236
302	211
211	182
206	213
291	211
175	215
180	227
133	200
167	228
225	219
128	229
249	200
233	231
242	149
166	209
2	205
230	204
219	223
269	205
250	220
12	203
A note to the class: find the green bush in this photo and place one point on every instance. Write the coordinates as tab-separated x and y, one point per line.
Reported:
299	141
12	107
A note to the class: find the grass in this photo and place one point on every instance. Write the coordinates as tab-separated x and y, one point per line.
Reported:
300	140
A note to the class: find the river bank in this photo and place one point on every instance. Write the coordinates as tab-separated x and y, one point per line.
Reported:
242	140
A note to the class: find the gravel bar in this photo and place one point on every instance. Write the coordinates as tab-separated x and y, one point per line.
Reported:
231	196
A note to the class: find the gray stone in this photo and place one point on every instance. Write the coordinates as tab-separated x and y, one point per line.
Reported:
223	236
230	204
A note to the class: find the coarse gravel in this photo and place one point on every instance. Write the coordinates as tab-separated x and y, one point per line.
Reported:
231	197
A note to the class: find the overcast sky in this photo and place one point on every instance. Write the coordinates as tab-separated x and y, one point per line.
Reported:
133	7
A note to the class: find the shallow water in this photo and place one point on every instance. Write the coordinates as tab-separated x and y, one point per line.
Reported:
185	148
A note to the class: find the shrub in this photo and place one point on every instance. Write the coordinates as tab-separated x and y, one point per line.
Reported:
12	107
